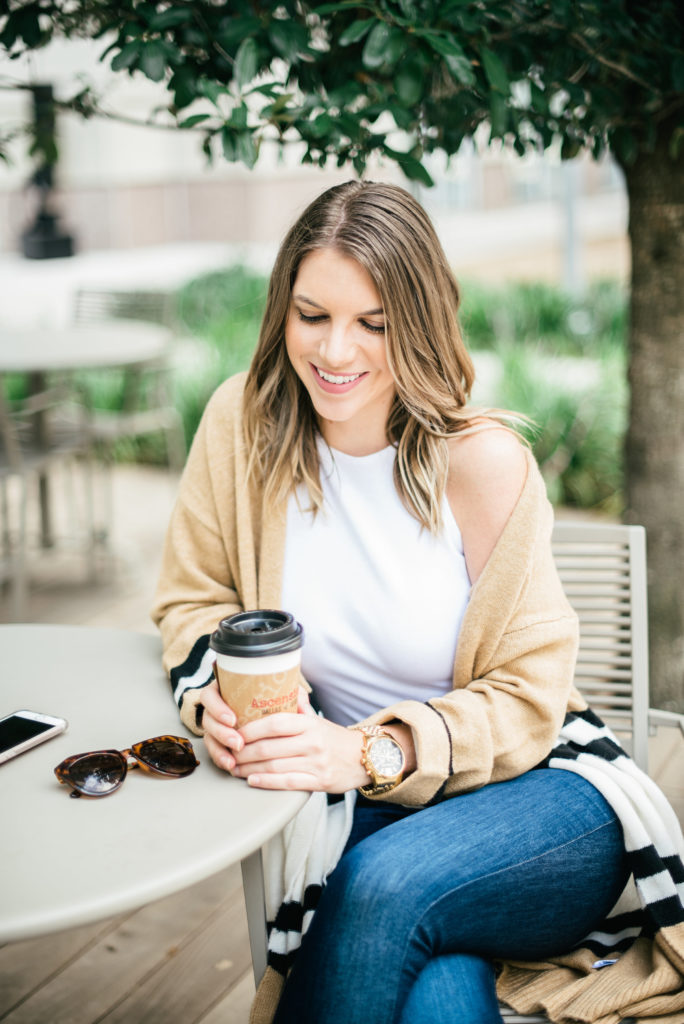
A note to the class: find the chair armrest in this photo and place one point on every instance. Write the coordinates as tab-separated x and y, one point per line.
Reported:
657	717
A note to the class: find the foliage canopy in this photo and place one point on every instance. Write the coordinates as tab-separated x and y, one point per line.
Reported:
396	78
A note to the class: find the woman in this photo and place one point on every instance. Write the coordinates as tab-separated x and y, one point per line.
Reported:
345	479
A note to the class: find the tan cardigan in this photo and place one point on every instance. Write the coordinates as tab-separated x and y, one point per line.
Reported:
516	653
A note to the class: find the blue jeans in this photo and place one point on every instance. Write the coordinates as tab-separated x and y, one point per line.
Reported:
424	900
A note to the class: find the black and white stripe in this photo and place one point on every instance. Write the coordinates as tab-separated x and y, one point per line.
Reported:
654	895
195	672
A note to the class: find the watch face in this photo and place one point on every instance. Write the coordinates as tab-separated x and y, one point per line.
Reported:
386	757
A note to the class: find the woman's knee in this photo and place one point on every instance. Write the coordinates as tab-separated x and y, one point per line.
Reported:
453	987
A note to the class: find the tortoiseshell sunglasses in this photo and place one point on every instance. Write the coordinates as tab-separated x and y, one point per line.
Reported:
101	772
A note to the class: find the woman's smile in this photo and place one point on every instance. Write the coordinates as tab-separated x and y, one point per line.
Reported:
336	383
336	341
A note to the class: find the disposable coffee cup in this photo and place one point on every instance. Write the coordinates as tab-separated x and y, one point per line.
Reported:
258	654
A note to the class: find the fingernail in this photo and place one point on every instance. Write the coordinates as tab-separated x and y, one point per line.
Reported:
253	780
228	720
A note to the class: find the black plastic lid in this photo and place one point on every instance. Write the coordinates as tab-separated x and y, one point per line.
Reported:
257	633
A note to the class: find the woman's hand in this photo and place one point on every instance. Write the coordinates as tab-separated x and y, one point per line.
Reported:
300	751
221	738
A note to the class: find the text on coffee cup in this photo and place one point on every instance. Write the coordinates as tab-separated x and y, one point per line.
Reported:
274	702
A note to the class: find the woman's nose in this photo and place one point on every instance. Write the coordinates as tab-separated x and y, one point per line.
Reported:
337	345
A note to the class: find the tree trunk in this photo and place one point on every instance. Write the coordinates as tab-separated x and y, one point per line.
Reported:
655	436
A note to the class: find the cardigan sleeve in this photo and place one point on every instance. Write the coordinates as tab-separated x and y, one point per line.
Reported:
199	581
513	675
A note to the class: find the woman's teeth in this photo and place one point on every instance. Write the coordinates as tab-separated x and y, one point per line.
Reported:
334	379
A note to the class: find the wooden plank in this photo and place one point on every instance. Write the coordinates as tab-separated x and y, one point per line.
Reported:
200	972
234	1007
25	966
104	973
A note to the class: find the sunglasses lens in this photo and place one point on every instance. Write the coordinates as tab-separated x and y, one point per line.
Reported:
168	756
97	774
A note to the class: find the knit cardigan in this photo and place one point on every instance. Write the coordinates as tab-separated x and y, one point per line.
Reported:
513	671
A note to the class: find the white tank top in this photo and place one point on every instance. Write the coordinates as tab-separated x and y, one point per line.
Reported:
381	599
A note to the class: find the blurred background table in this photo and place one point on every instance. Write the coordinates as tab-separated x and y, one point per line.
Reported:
56	423
68	862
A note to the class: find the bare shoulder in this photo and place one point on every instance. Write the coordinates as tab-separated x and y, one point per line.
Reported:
487	472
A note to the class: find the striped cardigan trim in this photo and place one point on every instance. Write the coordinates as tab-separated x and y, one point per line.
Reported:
195	672
654	896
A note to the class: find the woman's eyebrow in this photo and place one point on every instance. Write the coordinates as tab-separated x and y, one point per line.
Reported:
310	302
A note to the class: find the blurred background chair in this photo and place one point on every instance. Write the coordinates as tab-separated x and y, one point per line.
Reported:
147	405
39	434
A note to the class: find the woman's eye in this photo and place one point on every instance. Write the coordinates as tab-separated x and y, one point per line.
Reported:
373	328
316	319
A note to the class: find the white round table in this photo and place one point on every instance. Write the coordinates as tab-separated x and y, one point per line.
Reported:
104	344
67	862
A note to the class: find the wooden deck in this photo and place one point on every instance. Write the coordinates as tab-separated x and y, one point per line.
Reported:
184	959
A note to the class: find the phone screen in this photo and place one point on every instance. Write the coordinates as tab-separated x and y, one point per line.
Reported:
17	729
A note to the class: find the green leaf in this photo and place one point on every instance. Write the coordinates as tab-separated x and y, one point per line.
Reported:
169	18
322	126
444	44
195	119
384	46
409	81
238	117
246	149
344	5
183	85
412	168
460	69
153	61
246	62
288	38
228	143
28	25
498	115
496	73
357	30
210	89
405	119
127	56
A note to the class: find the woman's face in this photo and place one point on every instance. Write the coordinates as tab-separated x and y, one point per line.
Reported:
335	338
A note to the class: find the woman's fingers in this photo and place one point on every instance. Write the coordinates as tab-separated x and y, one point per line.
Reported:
220	737
216	706
290	780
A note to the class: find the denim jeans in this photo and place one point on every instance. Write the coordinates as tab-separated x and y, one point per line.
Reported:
424	900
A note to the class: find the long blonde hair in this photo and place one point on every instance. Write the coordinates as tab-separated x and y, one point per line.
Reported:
388	233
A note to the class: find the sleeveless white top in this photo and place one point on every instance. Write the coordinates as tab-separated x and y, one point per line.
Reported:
381	599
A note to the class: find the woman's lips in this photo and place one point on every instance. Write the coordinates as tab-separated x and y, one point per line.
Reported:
336	383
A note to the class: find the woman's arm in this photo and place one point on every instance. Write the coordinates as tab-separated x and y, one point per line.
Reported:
516	653
487	472
200	580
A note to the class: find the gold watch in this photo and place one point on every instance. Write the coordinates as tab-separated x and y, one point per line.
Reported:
383	759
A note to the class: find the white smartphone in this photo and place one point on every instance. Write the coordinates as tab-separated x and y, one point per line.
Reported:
25	729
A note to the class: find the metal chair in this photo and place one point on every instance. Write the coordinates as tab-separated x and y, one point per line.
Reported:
147	403
30	448
603	571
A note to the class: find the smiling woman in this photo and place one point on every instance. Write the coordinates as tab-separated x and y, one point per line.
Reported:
346	478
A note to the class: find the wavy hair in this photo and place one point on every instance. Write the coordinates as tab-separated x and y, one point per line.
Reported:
387	232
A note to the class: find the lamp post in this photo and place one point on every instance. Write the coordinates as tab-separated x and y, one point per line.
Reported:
44	239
